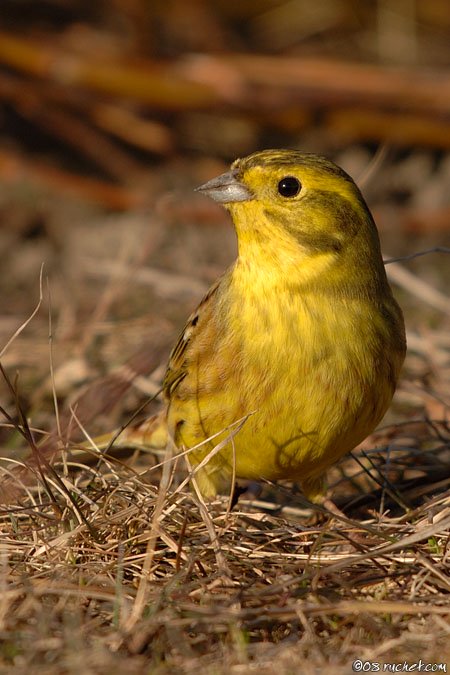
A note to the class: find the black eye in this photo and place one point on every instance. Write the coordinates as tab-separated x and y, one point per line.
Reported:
289	186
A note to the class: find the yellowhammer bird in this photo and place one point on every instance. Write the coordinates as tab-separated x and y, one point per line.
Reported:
302	333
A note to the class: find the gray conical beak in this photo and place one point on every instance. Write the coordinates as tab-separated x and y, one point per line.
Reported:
225	189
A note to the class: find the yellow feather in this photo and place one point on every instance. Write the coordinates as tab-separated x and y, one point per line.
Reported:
302	333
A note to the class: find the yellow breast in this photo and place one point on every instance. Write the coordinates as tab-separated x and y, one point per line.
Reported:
310	372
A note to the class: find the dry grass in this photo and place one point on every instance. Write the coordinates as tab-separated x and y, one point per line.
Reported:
109	565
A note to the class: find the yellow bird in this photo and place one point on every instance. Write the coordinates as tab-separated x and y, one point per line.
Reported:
300	339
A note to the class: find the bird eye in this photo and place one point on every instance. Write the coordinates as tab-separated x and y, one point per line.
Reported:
289	186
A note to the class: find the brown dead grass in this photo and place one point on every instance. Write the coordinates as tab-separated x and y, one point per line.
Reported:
108	565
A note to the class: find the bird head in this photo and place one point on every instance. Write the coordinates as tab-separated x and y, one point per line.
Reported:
295	196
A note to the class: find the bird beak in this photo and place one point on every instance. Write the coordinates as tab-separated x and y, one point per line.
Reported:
225	189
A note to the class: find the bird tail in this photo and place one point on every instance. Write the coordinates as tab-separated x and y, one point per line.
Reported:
147	435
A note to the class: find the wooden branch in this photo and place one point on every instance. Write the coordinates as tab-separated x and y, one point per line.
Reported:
333	82
268	82
397	128
14	169
149	82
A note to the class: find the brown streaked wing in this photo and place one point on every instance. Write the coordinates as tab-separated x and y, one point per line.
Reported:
176	368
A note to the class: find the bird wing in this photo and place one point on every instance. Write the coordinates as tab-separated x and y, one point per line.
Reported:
177	368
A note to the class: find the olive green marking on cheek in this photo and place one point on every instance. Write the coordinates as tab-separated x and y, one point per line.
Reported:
315	241
346	218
